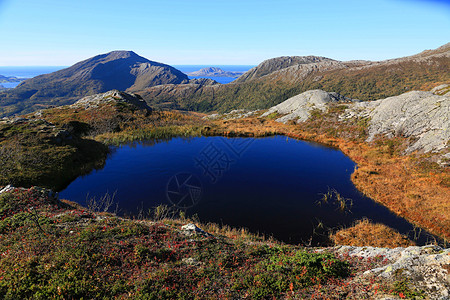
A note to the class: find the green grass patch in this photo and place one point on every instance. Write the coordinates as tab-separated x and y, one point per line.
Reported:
143	134
73	254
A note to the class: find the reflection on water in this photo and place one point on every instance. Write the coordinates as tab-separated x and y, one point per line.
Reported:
269	185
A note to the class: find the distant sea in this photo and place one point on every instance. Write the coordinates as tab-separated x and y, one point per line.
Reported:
32	71
223	80
26	72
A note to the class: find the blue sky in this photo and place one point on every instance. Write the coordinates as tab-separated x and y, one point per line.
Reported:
58	32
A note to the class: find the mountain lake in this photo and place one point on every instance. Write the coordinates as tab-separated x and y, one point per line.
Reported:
273	186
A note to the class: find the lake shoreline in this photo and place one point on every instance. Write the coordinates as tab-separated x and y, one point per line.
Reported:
374	167
374	164
129	173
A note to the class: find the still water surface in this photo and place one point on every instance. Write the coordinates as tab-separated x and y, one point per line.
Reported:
269	185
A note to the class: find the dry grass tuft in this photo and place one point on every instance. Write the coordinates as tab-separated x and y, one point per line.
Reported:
366	233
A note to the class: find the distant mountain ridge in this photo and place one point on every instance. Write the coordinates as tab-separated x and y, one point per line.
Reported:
122	70
4	79
268	84
274	64
215	72
277	79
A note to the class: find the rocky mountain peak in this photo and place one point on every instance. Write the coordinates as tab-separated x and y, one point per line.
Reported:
118	54
121	70
279	63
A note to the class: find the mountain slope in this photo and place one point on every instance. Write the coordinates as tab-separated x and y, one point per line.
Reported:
276	80
123	70
386	78
279	63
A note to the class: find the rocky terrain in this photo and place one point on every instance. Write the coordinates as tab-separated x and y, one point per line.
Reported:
114	96
368	70
215	72
422	116
299	107
427	267
123	70
233	115
280	63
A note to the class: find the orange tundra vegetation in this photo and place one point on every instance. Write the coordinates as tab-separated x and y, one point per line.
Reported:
365	233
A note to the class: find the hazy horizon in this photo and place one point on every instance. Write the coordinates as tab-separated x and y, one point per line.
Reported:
26	72
232	32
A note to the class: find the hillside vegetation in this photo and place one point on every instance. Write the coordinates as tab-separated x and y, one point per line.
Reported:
114	70
34	151
54	146
266	85
55	249
279	80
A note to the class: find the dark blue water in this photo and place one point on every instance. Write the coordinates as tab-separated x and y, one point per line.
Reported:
269	185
